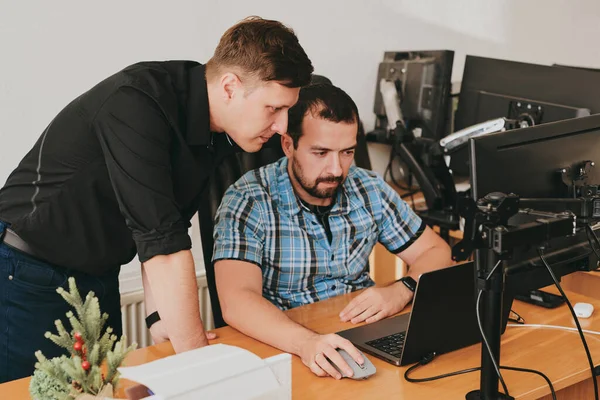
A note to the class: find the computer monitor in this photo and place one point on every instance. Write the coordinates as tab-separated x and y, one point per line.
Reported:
537	94
422	80
577	67
527	162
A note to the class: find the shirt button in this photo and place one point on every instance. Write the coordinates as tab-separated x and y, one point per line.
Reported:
332	257
333	287
10	277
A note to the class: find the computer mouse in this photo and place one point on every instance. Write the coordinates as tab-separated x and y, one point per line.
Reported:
360	371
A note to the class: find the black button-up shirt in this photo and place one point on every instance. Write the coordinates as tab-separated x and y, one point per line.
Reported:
119	170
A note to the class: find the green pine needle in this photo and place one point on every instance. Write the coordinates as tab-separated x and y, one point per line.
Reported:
53	378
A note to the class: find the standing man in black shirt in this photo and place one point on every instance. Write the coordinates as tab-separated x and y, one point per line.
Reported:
120	170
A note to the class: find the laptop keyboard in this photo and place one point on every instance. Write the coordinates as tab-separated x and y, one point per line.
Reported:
391	344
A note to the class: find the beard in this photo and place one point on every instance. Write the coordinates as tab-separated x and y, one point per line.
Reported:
312	188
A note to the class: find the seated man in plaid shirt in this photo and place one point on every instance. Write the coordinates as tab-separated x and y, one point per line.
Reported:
301	230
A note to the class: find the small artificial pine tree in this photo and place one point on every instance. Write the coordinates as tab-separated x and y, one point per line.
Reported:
64	378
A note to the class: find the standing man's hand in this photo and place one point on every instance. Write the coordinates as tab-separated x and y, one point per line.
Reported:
159	333
375	304
170	288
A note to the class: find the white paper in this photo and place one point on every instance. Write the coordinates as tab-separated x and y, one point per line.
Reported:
215	372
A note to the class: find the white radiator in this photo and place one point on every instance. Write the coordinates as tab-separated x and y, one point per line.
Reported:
133	314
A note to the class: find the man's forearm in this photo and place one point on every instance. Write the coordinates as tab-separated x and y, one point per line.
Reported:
255	316
172	280
434	258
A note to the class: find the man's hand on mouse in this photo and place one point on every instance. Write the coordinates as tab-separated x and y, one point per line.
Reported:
317	349
377	303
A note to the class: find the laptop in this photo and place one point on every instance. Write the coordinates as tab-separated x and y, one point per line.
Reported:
443	319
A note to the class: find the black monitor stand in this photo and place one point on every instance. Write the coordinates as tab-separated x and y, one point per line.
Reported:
487	231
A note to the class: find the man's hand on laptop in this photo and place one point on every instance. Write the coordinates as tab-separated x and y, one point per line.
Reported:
317	350
375	304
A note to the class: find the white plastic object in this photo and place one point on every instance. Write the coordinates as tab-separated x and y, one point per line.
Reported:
583	310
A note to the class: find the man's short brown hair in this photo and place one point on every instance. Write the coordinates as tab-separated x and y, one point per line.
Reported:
265	49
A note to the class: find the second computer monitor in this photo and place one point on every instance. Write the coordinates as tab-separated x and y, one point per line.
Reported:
530	93
422	81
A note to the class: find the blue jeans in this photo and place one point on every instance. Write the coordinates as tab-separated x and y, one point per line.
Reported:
29	305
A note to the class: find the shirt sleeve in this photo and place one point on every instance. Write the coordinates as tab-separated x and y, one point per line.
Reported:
135	137
239	232
399	226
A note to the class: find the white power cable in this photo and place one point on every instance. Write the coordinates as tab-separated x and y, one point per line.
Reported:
565	328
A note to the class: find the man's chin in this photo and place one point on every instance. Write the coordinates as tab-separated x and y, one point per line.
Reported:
325	194
251	147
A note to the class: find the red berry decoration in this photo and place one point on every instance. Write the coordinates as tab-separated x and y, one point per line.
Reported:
78	337
77	346
85	365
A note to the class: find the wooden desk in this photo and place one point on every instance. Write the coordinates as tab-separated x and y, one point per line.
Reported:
559	354
585	283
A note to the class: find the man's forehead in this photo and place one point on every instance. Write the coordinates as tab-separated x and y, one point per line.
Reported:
321	130
274	88
312	117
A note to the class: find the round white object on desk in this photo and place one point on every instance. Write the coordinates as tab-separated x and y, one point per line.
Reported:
583	310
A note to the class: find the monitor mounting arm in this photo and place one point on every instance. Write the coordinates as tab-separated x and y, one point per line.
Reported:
487	231
425	159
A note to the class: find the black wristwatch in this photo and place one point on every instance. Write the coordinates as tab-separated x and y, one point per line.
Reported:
409	282
152	319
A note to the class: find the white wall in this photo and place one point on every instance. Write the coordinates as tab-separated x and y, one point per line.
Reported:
51	51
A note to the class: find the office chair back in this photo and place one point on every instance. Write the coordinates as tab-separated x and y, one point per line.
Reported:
228	172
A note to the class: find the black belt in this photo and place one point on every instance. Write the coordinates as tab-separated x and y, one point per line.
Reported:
14	241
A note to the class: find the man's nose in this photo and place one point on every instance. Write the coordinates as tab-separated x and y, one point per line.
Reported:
334	166
280	124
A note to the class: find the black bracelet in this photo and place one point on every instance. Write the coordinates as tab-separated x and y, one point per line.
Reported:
152	319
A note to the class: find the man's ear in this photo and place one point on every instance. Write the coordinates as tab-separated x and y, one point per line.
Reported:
231	85
287	144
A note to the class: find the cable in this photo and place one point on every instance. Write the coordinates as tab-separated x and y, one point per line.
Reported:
533	371
519	320
487	345
434	378
410	194
430	358
589	231
564	328
389	170
562	292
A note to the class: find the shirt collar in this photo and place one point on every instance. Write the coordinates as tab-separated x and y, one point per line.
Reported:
198	117
346	201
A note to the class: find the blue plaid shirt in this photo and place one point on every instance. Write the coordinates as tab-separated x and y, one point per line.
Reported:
261	221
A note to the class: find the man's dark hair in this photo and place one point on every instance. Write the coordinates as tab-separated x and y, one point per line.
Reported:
322	101
265	49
